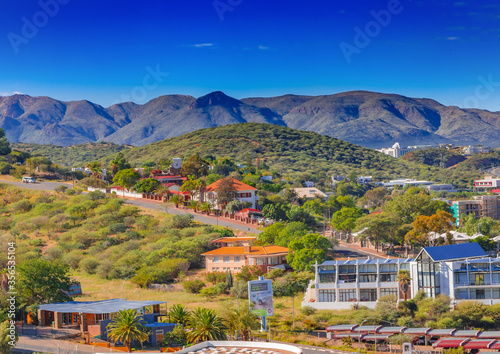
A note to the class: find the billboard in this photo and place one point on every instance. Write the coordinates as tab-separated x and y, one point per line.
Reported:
260	295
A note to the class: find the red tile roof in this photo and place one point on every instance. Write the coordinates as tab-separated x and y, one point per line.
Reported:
254	251
238	186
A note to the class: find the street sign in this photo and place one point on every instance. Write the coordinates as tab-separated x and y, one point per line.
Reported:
260	295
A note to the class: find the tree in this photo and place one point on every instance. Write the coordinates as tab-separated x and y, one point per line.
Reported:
205	325
486	243
379	228
226	191
4	144
191	185
427	229
206	207
95	168
176	199
270	234
195	166
126	178
147	185
126	327
248	273
7	339
404	279
61	189
345	219
119	163
292	231
276	211
408	206
41	281
297	213
374	198
242	320
305	251
178	314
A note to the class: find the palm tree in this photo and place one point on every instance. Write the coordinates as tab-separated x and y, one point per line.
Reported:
95	168
204	324
193	204
178	314
404	281
128	326
242	321
206	207
176	199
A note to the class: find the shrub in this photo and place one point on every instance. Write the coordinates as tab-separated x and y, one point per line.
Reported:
21	206
117	228
96	195
181	221
215	277
209	292
54	253
61	189
193	286
73	259
308	310
105	269
89	265
5	168
162	272
279	305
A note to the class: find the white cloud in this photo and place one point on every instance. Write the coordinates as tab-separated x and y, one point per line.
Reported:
10	93
261	47
204	45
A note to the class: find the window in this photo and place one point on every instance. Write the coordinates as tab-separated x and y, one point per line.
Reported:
477	294
462	294
327	278
367	278
345	269
261	261
346	295
273	260
226	260
388	291
368	295
215	260
387	277
347	278
495	293
237	259
326	296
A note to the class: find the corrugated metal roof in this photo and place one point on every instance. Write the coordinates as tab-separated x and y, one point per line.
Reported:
377	336
489	334
495	345
352	335
391	329
420	331
466	333
347	327
97	307
479	344
457	251
450	342
441	332
367	328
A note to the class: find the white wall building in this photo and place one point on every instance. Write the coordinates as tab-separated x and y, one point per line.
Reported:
243	192
406	182
471	150
397	151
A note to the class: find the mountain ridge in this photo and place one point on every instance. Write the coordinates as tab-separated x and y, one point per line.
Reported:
370	119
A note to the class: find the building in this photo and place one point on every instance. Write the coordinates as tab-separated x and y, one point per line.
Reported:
461	271
308	184
406	182
341	283
234	258
311	192
484	185
243	192
234	241
441	188
397	151
92	317
480	206
364	179
471	150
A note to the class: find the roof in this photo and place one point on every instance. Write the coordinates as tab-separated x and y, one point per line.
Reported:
453	252
450	342
489	334
376	336
234	239
420	331
254	251
345	335
495	345
160	324
441	332
479	344
466	333
97	307
373	328
310	192
348	327
391	330
249	210
238	186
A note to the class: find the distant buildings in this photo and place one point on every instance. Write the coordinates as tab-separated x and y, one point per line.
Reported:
483	185
243	192
397	151
312	192
480	206
440	188
471	150
406	182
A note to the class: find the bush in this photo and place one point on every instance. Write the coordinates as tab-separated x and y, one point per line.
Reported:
61	189
117	228
193	286
163	272
21	206
5	168
96	195
73	259
209	292
215	277
308	310
89	265
181	221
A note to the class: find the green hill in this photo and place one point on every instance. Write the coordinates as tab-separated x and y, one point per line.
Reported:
74	155
282	149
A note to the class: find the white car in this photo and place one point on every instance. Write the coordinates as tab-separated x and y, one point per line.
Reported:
29	180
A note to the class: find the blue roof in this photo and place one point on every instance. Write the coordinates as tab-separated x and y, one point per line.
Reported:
453	252
97	307
159	324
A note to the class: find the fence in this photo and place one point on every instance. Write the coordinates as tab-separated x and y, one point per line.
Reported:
61	348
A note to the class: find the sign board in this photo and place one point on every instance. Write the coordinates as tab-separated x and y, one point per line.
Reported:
75	289
260	295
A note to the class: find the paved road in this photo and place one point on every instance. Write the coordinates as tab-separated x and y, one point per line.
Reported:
50	186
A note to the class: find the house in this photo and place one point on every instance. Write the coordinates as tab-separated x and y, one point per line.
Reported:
406	182
461	271
484	185
243	192
308	184
441	188
364	179
397	151
94	316
234	241
471	150
234	258
311	192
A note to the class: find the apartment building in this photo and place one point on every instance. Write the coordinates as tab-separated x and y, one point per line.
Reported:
397	151
484	185
471	150
480	206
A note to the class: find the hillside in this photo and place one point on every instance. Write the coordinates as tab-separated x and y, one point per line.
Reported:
282	149
366	118
437	157
74	155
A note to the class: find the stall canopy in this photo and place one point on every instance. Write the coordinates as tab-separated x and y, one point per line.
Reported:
391	330
441	332
416	331
367	328
376	337
466	333
479	344
489	334
339	328
352	335
450	342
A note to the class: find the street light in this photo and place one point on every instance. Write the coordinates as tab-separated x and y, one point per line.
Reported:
359	335
123	285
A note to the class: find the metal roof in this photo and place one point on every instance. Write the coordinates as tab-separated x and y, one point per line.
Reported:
420	331
391	330
348	327
466	333
479	344
367	328
377	336
452	252
352	335
441	332
366	261
97	307
489	334
450	342
495	345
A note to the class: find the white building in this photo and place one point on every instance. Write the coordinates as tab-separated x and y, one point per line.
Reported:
364	179
397	151
486	184
461	271
441	188
471	150
406	182
243	192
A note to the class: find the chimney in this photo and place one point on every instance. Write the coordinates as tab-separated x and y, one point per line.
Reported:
247	249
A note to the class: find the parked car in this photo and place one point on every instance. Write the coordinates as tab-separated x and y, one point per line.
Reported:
29	179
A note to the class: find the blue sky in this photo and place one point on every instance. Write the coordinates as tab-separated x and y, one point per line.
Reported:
106	51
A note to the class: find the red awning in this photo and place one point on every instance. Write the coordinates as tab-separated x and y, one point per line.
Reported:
495	345
479	344
450	342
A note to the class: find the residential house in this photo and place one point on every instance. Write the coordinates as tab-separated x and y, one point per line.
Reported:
234	241
471	150
234	258
243	192
311	192
397	151
406	182
440	188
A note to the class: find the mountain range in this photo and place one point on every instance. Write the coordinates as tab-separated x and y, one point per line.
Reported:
366	118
